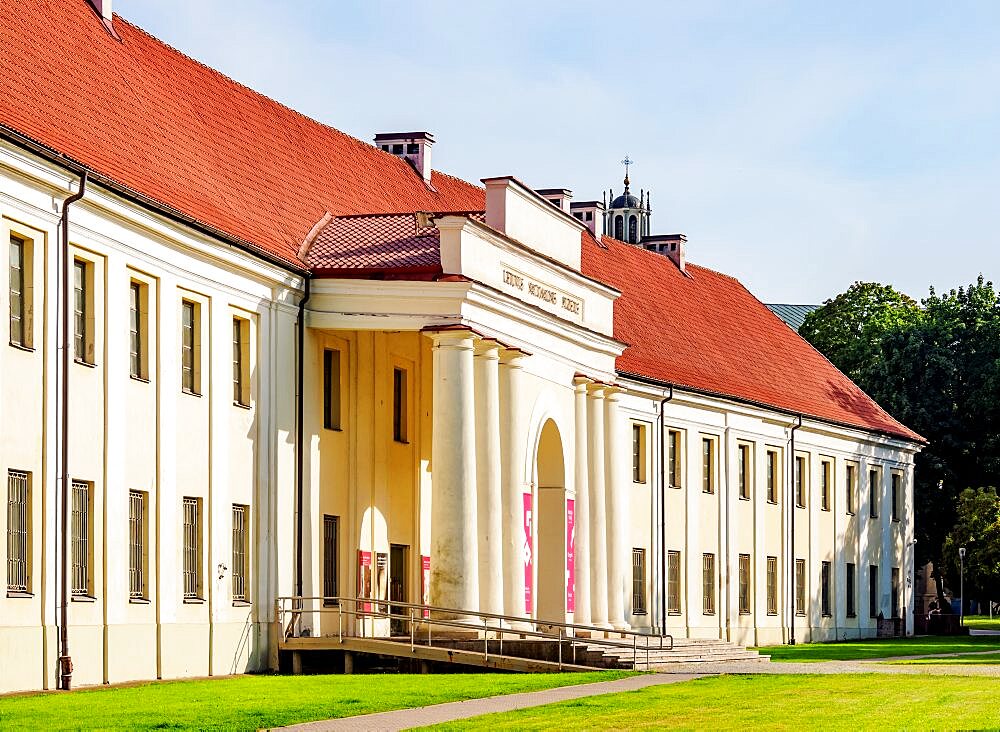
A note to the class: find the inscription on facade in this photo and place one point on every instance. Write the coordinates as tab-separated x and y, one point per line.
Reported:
548	295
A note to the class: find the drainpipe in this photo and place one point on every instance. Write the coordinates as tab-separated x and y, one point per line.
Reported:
65	661
791	510
663	513
299	440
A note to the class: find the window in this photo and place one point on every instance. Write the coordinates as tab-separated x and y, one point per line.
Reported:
619	228
895	592
331	389
824	587
83	314
800	481
772	585
896	482
633	229
192	549
873	590
772	476
81	542
874	478
400	412
20	292
745	470
852	582
638	453
241	532
708	583
825	472
674	583
241	362
331	558
137	545
851	487
18	531
138	312
707	465
744	584
638	581
800	586
190	347
674	458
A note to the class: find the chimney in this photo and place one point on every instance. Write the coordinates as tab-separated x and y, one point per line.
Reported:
103	8
414	147
558	197
590	213
672	245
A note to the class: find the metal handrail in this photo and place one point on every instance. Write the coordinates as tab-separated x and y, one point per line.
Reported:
336	604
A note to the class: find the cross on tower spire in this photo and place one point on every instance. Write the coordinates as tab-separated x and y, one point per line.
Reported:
627	162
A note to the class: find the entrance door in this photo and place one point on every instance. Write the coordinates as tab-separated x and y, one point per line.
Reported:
399	556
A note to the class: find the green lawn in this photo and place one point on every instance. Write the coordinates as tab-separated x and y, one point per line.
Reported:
253	702
977	660
790	702
885	648
983	622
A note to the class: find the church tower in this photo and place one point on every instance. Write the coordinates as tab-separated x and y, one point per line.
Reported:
627	218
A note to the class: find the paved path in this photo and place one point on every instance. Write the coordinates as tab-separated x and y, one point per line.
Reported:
451	711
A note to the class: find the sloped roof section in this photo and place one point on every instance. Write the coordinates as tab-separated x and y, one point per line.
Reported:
175	131
793	315
705	331
378	242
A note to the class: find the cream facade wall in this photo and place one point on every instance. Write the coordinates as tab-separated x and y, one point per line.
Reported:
143	434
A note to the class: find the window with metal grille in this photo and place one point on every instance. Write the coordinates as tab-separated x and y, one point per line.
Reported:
896	481
192	573
241	362
708	584
81	311
331	558
707	465
136	544
826	470
852	586
851	487
800	586
400	409
638	581
772	476
18	289
745	470
674	582
189	342
241	533
824	586
331	389
873	590
873	480
18	531
638	453
81	539
772	585
137	366
800	481
744	584
674	458
895	592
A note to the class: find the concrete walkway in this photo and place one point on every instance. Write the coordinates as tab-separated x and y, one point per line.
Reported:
451	711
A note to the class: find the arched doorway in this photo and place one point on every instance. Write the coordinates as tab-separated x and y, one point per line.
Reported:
550	479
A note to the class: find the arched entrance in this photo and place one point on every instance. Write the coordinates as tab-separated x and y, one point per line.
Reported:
550	479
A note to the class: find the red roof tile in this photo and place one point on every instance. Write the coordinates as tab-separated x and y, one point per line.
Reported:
707	332
159	123
376	242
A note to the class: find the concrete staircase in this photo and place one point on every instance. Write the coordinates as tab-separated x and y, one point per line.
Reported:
685	651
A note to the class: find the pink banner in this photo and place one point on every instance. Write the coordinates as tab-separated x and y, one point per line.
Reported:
365	578
425	582
570	555
529	564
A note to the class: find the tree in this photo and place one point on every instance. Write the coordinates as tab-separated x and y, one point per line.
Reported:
977	528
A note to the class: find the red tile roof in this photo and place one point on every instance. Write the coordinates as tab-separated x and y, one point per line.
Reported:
707	332
163	125
378	242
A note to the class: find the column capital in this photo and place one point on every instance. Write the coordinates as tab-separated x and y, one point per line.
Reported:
512	357
580	383
595	390
612	393
487	349
451	337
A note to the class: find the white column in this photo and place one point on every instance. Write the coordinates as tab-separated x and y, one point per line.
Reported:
598	509
512	439
454	556
582	525
490	503
614	492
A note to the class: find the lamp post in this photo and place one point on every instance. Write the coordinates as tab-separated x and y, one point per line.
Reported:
961	585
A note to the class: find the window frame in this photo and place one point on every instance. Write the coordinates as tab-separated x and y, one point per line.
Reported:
332	389
82	539
873	598
709	464
851	471
192	566
674	582
138	328
896	481
138	545
24	292
825	594
895	580
240	573
639	452
746	470
851	585
773	468
826	473
708	583
801	588
638	581
190	351
874	490
772	585
84	351
800	480
675	458
744	584
400	404
19	563
331	559
241	361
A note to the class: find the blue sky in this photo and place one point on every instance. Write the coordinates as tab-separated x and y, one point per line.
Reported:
800	146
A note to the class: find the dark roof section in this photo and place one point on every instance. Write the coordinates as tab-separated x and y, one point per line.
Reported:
793	315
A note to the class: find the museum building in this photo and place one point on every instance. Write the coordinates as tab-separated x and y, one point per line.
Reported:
299	364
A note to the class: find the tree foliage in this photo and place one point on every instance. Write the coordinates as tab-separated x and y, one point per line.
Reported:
977	528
